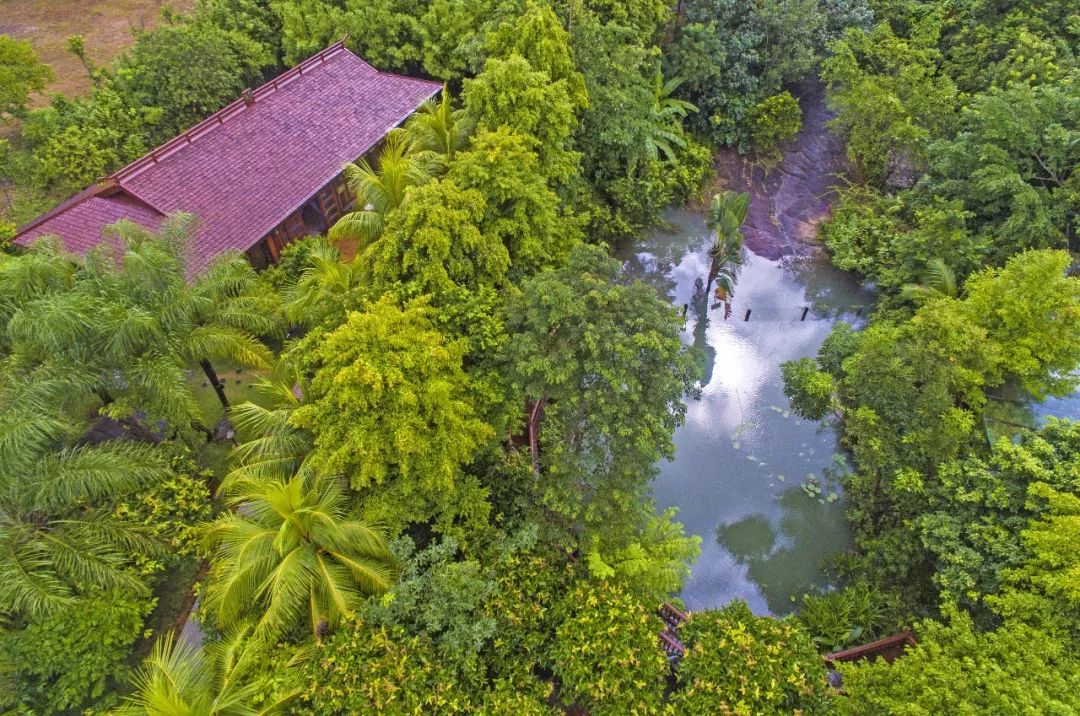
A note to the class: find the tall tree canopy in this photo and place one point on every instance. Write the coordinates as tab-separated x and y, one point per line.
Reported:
390	411
604	373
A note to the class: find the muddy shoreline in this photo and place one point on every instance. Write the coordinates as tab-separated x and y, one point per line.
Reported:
790	200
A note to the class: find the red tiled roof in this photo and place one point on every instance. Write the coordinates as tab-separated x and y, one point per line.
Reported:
246	168
79	220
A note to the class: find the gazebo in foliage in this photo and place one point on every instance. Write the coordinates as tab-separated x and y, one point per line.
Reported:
261	172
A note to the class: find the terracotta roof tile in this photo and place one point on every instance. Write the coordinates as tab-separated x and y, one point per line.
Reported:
81	222
246	168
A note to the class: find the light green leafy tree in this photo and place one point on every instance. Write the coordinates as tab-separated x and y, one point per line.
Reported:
1031	308
390	410
774	121
434	245
536	34
21	73
530	102
519	208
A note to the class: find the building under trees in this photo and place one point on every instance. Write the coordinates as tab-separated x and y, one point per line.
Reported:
261	172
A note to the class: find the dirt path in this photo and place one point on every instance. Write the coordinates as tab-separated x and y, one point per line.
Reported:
106	25
788	202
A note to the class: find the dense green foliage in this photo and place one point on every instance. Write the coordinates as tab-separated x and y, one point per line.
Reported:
972	122
604	373
912	395
22	73
735	57
439	500
955	669
74	658
741	664
607	655
961	119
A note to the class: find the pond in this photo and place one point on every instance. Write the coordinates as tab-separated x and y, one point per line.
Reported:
742	457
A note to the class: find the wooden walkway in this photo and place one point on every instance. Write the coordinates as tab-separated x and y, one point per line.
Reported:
890	649
673	618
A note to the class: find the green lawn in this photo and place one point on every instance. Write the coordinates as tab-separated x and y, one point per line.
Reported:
239	387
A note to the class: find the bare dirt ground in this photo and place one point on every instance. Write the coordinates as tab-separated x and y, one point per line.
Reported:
106	25
788	201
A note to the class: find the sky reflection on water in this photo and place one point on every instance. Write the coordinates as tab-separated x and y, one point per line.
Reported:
742	456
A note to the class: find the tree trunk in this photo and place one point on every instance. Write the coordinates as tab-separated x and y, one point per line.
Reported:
713	270
212	376
104	395
536	412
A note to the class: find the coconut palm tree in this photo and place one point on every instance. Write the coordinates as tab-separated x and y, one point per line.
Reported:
272	445
54	542
437	132
173	323
727	212
939	281
379	191
326	289
178	679
664	123
290	550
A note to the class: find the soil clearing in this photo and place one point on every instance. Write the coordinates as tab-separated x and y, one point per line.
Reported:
105	24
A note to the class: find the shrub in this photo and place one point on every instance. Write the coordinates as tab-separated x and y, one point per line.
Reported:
740	664
607	652
367	670
173	510
773	121
72	660
957	670
850	616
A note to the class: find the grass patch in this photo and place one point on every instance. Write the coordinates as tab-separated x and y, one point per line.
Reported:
240	386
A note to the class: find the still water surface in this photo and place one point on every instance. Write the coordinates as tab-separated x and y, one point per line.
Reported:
742	456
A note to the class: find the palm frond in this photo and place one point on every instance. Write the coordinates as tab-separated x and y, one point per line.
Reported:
219	341
92	472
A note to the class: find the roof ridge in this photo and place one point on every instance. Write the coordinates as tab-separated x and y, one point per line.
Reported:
218	118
